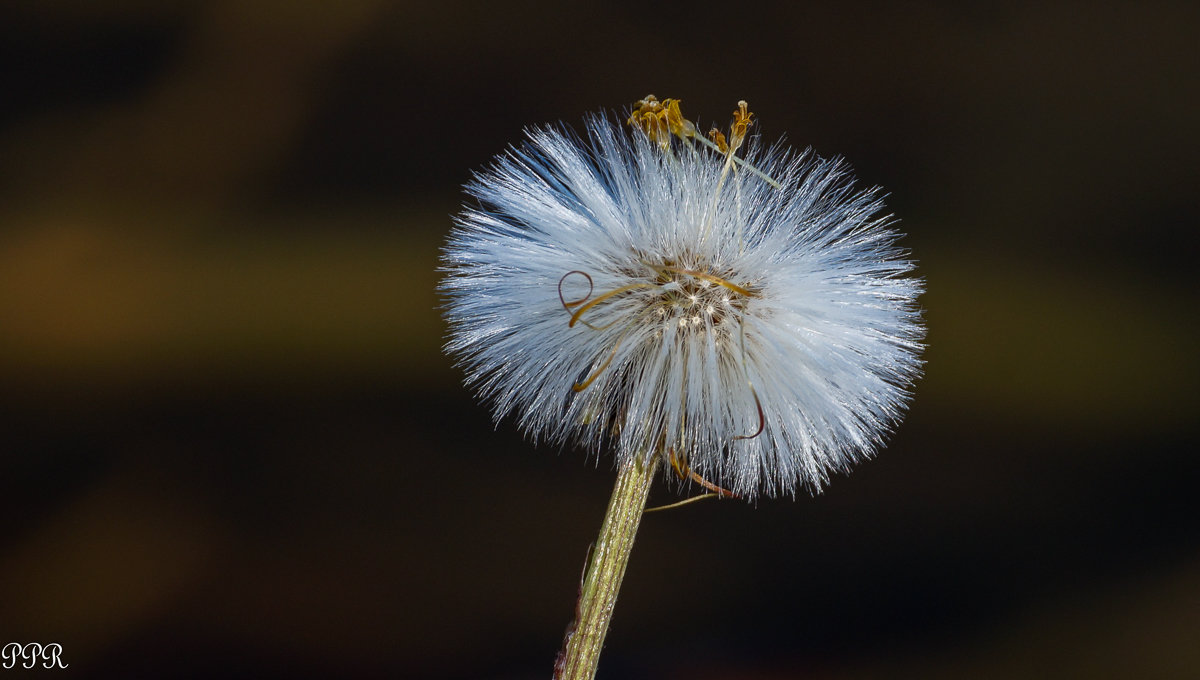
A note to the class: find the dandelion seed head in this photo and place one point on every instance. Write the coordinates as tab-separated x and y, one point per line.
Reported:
750	316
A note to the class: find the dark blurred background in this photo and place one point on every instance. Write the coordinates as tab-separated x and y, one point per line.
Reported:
230	445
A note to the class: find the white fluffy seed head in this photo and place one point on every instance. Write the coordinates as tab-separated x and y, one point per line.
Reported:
613	294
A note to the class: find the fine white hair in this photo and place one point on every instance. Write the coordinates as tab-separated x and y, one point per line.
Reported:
655	300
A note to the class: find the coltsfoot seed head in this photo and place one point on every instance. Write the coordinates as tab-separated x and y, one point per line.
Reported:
750	319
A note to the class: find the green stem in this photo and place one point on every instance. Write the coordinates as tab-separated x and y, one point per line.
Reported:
606	569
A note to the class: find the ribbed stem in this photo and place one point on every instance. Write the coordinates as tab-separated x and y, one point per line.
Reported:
606	569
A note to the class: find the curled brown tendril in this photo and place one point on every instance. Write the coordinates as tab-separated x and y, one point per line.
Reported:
587	302
762	418
568	305
612	293
711	278
680	465
579	387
